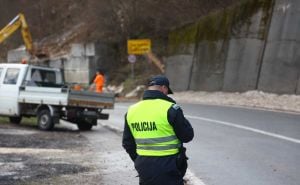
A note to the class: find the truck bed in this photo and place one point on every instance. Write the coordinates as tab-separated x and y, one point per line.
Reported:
65	97
43	95
91	99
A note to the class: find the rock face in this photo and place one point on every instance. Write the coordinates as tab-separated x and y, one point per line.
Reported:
253	45
55	25
105	20
242	45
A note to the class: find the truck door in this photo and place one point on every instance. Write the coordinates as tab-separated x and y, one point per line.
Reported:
9	90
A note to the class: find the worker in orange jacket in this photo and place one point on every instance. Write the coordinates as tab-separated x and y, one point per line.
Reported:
99	81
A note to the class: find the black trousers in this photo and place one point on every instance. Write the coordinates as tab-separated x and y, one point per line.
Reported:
158	170
170	178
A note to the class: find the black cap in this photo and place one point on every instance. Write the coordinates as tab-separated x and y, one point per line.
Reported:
160	80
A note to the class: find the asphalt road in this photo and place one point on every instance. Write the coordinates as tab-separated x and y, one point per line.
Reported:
244	146
234	146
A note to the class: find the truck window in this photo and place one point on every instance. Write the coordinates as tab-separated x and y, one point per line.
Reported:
36	75
44	78
49	76
11	76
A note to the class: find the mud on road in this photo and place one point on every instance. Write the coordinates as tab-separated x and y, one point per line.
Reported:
29	156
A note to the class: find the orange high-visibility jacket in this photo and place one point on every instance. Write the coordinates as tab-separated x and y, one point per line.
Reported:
99	81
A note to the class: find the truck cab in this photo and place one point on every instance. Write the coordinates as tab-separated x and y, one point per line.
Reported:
11	78
35	91
15	76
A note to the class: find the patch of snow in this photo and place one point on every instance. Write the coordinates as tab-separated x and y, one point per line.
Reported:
116	89
135	92
256	99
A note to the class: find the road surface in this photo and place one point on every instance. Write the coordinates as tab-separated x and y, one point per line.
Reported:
234	146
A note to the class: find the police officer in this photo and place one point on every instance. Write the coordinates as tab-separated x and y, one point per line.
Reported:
154	131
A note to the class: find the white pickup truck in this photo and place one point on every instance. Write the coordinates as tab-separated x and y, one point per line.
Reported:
28	91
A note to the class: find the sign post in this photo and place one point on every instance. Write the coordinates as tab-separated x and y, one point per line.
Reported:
137	47
143	47
132	60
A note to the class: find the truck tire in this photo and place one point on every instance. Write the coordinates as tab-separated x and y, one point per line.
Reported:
45	121
84	124
16	119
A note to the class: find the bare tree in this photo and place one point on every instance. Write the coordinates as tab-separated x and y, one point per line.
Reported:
107	20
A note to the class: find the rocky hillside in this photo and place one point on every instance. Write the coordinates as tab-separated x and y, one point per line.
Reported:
54	24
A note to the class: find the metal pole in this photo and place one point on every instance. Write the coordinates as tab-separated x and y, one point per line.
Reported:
132	70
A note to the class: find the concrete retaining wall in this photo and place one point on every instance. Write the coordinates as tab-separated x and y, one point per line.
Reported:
208	72
241	65
81	63
281	63
244	54
179	76
78	64
85	59
254	45
16	55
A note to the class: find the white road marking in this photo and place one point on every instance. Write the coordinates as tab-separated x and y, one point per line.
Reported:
246	128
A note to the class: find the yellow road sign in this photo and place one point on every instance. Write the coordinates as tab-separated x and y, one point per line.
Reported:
138	46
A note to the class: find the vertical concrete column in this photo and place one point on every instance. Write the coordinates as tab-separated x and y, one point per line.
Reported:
90	53
77	66
208	68
298	86
16	55
280	69
178	68
244	53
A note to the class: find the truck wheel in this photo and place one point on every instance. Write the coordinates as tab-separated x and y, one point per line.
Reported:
84	126
15	120
45	121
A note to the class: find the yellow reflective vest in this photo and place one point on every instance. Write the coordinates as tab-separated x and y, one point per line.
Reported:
153	134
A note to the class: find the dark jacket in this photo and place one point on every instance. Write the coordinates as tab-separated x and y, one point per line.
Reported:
149	167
